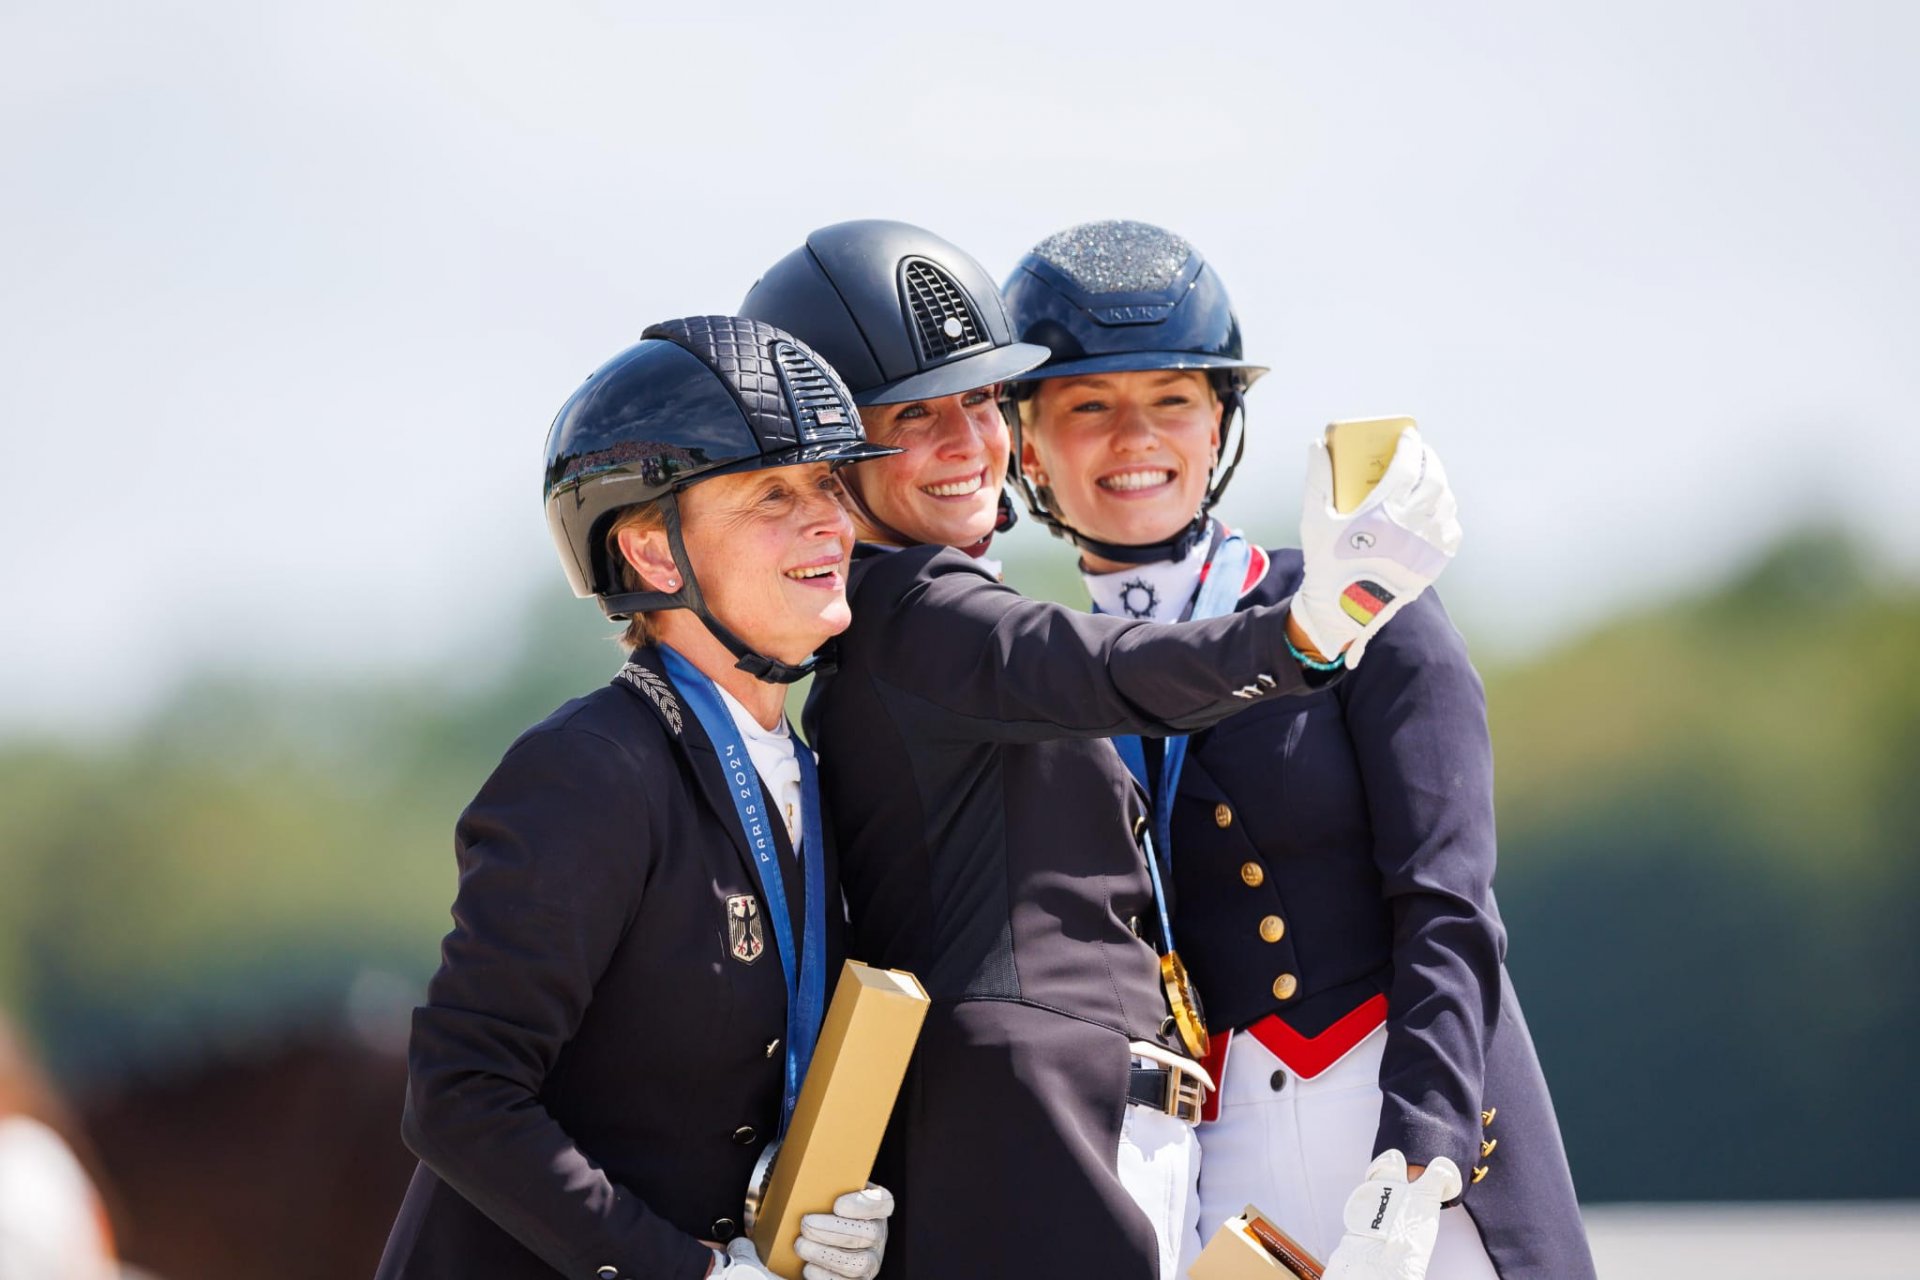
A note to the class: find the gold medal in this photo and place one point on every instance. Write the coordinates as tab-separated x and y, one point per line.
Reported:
1184	1000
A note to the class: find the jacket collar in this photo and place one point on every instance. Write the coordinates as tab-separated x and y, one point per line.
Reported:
645	677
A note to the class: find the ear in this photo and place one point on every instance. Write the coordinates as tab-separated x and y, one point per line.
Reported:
647	551
1030	465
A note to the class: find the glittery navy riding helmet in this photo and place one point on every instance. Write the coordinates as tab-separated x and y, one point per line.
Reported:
1113	297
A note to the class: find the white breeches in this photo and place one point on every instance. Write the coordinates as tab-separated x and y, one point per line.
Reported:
1297	1151
1159	1166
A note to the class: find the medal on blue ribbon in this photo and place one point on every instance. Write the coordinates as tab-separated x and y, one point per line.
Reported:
1219	593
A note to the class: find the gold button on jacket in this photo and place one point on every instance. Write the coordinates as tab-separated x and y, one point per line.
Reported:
1222	816
1252	873
1273	928
1284	986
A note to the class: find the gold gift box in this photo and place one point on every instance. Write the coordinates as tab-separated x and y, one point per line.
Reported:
858	1064
1250	1247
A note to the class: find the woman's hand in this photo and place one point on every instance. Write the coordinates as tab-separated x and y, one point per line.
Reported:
847	1243
739	1261
1392	1222
1365	565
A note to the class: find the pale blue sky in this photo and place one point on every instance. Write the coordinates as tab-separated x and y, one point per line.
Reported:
289	294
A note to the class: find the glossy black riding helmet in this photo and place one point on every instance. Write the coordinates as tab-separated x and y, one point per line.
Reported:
1118	297
696	398
902	314
898	312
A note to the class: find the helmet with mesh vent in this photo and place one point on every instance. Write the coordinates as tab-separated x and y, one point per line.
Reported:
900	313
695	398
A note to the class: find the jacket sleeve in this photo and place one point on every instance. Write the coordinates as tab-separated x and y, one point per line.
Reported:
553	854
1417	715
985	663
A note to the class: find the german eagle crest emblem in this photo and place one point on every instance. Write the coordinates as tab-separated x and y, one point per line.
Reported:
746	938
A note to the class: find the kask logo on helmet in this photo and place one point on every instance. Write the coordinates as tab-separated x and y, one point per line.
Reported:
1132	315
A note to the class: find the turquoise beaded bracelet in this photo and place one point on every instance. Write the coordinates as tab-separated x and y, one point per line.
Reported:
1339	659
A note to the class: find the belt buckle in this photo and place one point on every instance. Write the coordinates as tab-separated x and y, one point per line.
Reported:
1185	1095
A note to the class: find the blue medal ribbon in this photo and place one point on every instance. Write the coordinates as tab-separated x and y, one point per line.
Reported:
807	979
1219	593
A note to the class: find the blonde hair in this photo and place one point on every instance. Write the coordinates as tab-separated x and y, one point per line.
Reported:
642	628
1028	407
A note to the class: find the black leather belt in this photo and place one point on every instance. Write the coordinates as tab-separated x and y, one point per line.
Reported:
1167	1089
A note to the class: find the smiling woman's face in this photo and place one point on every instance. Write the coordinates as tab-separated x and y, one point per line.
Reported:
1126	455
771	549
946	487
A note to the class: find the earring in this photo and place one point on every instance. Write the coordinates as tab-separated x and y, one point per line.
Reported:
672	583
1040	478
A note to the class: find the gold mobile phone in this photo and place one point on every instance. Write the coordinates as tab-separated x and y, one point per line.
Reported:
1360	449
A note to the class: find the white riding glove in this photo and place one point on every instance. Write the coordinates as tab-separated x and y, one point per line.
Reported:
1391	1223
739	1261
1368	564
847	1243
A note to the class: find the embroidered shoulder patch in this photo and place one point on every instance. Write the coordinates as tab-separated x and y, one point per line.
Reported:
658	691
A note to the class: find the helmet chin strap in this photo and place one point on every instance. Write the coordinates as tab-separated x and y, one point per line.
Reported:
1040	504
1174	548
689	597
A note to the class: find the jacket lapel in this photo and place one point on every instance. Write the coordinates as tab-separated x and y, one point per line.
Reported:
646	679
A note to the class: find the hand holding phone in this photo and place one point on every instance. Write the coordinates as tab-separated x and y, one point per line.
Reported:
1363	564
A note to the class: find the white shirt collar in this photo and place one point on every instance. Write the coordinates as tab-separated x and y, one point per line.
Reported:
749	727
1157	592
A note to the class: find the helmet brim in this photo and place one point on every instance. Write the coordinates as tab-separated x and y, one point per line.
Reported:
839	453
1144	361
968	374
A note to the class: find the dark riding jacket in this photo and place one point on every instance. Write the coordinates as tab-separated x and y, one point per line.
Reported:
1345	841
601	1054
988	841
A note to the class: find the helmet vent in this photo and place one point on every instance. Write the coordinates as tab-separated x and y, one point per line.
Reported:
944	320
820	407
